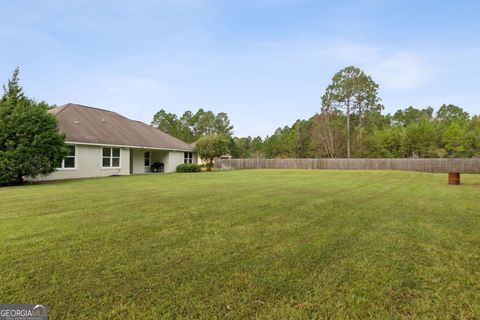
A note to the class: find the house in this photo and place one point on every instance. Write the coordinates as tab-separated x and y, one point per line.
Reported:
105	143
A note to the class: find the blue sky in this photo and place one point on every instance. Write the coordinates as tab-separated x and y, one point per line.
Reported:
264	62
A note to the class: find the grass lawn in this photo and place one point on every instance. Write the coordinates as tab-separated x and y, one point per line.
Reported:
267	244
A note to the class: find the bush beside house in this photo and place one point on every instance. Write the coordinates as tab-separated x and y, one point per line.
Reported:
189	167
30	143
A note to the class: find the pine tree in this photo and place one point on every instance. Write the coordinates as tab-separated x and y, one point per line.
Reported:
30	144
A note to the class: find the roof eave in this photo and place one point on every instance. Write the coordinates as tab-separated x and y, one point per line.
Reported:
126	146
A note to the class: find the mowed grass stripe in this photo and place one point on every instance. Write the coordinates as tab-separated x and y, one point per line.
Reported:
245	244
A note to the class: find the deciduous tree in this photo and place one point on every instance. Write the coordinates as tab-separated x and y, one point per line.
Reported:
211	146
328	134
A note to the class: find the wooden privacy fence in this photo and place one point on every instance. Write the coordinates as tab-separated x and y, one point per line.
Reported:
460	165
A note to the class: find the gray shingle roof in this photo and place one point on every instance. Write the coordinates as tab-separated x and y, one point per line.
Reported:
91	125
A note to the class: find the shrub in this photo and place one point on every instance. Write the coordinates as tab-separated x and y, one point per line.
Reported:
189	167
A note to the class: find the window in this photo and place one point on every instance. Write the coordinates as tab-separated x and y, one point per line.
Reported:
147	158
110	157
69	161
187	157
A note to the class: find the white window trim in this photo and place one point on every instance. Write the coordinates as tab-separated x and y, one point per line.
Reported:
62	168
149	158
188	159
111	157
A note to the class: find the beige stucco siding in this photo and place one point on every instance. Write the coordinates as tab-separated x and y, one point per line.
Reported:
175	158
137	161
88	163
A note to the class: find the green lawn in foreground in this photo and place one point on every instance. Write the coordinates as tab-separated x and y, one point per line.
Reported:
273	244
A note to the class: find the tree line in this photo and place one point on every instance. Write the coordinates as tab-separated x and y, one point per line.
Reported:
350	124
189	127
411	132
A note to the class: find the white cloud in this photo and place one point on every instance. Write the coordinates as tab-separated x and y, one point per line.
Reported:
401	70
350	53
114	85
391	69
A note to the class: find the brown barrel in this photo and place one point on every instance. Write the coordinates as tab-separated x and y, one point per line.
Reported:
453	178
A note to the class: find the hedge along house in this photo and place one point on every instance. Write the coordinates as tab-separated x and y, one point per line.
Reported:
104	143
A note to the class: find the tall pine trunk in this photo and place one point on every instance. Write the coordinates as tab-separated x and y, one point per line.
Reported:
348	128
